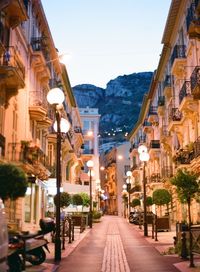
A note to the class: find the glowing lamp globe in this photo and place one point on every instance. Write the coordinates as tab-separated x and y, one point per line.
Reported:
90	164
144	156
129	173
64	125
55	96
142	148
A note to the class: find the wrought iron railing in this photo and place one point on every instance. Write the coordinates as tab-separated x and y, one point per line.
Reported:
167	81
153	110
185	90
161	101
167	171
10	59
154	144
178	53
155	178
195	78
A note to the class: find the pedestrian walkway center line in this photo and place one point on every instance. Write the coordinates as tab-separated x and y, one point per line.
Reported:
114	259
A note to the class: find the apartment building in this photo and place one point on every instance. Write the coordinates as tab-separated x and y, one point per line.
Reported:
29	68
169	123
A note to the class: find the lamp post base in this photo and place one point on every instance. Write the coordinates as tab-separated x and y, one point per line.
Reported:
57	249
145	229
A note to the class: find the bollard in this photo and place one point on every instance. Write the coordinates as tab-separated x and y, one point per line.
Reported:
184	252
63	234
70	230
156	229
191	247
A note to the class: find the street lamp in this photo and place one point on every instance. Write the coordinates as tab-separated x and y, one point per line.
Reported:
90	165
128	182
56	97
144	157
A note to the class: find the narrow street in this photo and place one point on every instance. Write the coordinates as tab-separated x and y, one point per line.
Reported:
116	246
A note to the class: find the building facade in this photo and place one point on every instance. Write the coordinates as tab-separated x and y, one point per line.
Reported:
29	68
169	119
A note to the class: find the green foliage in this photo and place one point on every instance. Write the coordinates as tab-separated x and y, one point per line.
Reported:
96	215
135	202
149	201
161	197
65	199
86	199
13	182
77	199
186	185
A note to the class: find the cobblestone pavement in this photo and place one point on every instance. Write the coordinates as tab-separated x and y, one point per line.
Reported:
114	245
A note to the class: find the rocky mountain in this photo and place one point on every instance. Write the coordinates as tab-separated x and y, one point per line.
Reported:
119	104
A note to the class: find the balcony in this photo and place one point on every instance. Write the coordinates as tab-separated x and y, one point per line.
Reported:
153	115
38	108
183	156
154	149
39	57
161	105
167	171
155	178
147	127
31	158
88	151
174	117
12	71
186	101
15	10
193	21
178	60
165	138
78	130
195	83
167	87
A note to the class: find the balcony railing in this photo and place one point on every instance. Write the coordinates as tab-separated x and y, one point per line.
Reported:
197	148
25	153
165	131
167	81
167	171
142	139
183	156
88	151
185	90
153	110
154	178
10	60
154	144
77	129
174	114
195	81
178	53
161	101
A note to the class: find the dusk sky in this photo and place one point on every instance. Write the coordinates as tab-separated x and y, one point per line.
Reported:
107	38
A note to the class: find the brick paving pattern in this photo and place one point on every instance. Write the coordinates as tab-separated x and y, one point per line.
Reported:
114	258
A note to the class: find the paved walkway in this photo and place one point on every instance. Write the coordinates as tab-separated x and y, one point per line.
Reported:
114	245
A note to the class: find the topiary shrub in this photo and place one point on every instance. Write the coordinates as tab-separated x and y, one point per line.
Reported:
13	182
77	200
135	202
65	199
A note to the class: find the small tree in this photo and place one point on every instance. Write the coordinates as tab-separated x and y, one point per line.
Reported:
77	199
149	202
13	182
65	199
135	202
161	197
187	187
86	199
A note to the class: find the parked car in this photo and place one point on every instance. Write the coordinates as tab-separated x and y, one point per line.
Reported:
134	218
3	239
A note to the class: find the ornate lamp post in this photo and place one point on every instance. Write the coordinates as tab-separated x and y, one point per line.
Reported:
144	157
128	182
90	165
56	97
